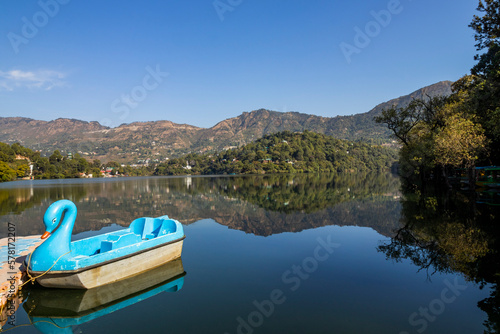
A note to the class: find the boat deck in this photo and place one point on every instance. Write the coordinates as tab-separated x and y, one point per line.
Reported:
13	251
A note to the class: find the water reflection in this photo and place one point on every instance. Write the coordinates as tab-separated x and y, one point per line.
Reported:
262	205
452	233
59	310
355	291
489	197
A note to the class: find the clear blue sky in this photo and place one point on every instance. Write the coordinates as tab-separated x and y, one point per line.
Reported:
92	60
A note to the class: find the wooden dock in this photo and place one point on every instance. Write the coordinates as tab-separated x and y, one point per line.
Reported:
13	251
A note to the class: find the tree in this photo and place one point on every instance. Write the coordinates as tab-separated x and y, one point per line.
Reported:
6	173
485	87
487	27
56	157
82	163
22	170
7	154
399	121
417	158
415	126
42	164
113	164
460	142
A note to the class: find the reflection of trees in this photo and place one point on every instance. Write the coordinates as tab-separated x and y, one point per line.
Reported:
262	205
451	233
15	201
491	306
310	192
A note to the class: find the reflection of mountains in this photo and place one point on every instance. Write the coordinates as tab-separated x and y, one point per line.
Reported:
379	214
262	205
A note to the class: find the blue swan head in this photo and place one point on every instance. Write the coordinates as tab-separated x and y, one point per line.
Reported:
54	215
59	220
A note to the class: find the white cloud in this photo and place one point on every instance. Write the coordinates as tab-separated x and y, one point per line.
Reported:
40	79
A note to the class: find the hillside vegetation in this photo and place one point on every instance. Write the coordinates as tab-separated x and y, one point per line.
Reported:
17	161
283	152
286	152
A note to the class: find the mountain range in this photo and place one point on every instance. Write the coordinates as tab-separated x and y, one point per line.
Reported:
157	140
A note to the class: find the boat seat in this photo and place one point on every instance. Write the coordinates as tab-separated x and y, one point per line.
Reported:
118	241
151	228
147	228
168	226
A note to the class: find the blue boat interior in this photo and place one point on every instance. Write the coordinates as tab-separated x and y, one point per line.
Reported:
141	229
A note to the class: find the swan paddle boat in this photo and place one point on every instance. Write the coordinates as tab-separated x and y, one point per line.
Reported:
102	259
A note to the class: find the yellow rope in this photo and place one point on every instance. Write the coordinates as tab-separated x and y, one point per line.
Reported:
46	271
31	324
8	329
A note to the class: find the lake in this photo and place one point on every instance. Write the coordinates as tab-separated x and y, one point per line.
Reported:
271	254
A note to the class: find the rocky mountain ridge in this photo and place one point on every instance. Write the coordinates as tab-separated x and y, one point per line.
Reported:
157	140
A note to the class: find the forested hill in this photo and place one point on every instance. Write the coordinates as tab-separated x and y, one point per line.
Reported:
130	143
286	152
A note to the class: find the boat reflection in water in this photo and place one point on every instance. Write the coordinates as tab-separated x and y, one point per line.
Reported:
57	310
489	197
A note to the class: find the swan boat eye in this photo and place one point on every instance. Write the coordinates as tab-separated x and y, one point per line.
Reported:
54	220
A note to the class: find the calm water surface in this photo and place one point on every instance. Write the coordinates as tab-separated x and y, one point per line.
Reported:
263	254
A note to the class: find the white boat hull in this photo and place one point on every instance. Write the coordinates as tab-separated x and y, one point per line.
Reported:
112	271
